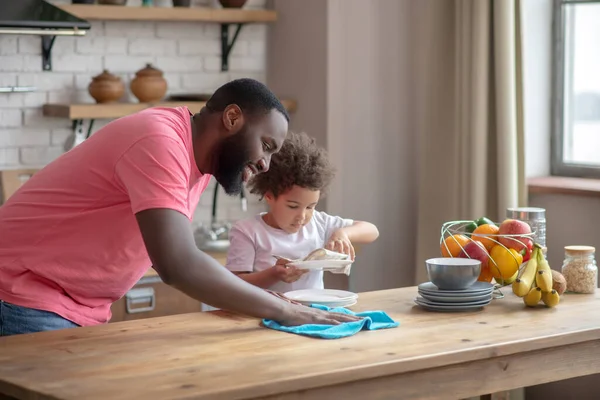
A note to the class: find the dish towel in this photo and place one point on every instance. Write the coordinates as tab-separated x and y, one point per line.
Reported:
372	320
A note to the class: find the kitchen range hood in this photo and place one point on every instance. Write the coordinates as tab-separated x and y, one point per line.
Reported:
38	17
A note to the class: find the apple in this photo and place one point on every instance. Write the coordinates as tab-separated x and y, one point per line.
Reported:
514	227
477	251
526	252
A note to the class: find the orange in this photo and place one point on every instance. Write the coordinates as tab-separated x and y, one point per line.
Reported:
482	234
486	274
454	244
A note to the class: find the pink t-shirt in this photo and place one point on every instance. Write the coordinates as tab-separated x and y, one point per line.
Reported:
69	240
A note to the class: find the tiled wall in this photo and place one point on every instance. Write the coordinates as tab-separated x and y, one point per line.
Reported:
187	53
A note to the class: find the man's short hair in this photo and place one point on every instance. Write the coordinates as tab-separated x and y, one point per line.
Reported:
250	95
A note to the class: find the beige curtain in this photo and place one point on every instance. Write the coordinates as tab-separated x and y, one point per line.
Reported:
468	107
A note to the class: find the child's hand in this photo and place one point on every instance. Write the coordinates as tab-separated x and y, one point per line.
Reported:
287	274
340	242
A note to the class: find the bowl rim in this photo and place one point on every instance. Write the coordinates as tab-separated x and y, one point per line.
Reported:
452	262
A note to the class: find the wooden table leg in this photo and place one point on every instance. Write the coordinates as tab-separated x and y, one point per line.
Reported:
496	396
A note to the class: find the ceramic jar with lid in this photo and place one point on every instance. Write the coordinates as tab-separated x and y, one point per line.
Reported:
106	87
149	85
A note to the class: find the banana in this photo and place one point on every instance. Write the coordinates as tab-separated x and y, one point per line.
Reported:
532	298
543	278
551	298
522	285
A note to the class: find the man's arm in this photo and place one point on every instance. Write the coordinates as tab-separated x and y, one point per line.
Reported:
263	279
170	243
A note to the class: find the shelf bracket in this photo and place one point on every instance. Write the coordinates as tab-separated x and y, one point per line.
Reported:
79	133
226	46
47	43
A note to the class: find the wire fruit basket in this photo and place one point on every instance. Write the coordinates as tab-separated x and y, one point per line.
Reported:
466	239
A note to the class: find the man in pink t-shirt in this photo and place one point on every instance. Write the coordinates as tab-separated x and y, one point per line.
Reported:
83	230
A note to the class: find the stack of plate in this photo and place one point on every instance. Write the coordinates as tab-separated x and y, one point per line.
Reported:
326	297
475	297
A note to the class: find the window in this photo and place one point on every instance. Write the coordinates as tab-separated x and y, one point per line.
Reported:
576	80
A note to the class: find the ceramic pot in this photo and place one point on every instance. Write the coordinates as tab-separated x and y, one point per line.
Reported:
113	2
149	86
106	87
232	3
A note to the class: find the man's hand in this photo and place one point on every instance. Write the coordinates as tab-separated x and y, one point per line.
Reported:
302	315
340	242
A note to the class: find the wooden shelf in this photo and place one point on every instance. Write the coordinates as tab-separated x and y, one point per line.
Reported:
198	14
118	110
564	185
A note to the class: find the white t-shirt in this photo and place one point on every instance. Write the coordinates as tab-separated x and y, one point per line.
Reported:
253	244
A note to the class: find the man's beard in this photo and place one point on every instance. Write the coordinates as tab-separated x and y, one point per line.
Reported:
233	158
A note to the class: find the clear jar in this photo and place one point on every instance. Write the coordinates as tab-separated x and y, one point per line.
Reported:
580	270
535	217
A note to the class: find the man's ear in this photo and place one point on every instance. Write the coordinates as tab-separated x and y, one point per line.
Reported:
233	118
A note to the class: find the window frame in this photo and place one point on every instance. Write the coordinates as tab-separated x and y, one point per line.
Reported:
558	166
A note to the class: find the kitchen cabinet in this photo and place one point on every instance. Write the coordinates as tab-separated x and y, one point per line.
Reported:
151	297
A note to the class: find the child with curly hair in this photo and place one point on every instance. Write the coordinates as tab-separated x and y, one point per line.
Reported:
292	227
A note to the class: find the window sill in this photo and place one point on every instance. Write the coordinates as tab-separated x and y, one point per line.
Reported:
564	185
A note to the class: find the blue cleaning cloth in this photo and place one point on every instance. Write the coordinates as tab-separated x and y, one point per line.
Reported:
372	320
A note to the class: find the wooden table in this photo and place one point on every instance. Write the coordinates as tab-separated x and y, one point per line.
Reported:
225	356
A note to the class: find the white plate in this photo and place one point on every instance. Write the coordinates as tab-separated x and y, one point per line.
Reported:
321	296
454	299
477	288
347	303
450	308
321	264
452	305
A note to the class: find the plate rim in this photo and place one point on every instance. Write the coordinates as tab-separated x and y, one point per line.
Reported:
351	295
450	295
441	308
454	305
453	298
330	264
353	302
462	291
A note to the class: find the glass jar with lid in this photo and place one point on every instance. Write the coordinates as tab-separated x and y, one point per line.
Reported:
580	270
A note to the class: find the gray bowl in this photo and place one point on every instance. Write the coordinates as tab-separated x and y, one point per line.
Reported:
453	273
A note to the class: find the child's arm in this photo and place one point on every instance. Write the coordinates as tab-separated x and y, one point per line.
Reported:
359	232
341	240
268	277
263	279
241	257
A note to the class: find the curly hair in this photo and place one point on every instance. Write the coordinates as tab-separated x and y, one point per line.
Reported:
300	162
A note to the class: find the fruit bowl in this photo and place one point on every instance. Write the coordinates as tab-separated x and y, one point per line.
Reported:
501	247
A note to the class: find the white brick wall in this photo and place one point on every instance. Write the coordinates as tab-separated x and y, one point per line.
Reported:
188	54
